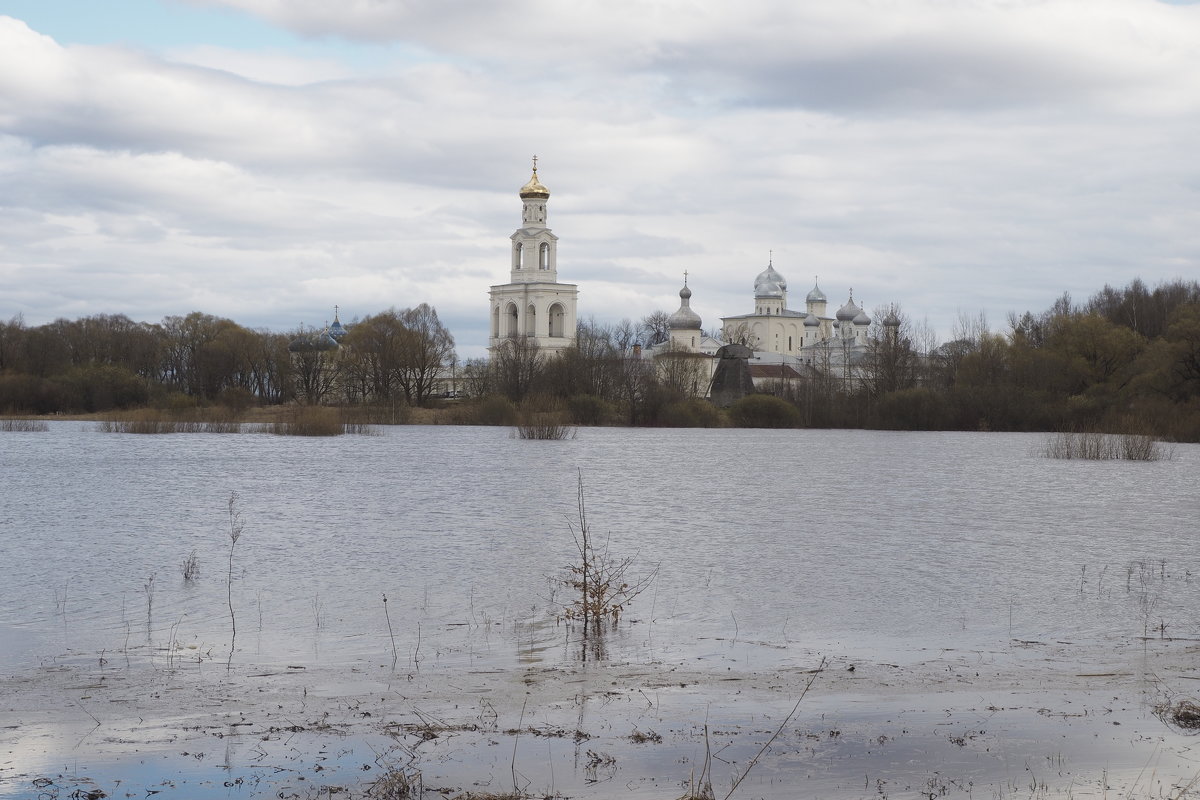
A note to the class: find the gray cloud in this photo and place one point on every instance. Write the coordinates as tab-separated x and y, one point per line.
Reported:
951	156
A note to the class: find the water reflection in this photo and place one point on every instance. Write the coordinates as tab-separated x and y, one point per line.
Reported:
831	539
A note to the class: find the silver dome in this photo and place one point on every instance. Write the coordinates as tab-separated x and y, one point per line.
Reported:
684	319
769	283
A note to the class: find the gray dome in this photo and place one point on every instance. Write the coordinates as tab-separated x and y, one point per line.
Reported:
891	320
862	319
812	321
849	311
816	295
769	283
684	319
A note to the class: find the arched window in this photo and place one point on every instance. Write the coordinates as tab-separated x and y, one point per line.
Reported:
544	256
531	321
518	254
557	321
496	322
514	329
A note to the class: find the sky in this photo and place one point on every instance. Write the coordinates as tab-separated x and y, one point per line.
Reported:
266	160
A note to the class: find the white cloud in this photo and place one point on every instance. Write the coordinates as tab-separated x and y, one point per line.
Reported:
942	153
270	67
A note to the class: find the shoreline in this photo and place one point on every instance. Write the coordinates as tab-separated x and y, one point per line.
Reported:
1029	719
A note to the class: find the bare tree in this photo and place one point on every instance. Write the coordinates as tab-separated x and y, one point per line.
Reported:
427	348
517	363
654	328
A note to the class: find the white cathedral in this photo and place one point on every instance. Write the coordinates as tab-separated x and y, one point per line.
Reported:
786	342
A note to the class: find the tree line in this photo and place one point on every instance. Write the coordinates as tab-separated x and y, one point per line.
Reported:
108	361
1125	359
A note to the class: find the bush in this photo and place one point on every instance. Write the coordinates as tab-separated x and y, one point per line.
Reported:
1094	446
763	411
694	412
917	409
491	410
101	388
236	399
588	409
23	393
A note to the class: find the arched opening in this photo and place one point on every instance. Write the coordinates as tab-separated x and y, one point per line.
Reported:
496	322
544	256
514	329
518	252
557	320
531	321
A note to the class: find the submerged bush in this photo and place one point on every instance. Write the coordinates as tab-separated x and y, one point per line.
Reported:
1094	446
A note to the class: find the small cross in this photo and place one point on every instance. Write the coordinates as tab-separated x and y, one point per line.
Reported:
685	277
770	257
535	163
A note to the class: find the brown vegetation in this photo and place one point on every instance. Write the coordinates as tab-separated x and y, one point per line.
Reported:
1125	354
23	426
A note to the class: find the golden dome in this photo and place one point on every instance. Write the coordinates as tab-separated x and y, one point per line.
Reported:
534	188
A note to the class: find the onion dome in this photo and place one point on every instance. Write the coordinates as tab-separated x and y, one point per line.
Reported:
848	312
769	283
534	189
684	319
336	331
816	295
861	318
891	320
812	321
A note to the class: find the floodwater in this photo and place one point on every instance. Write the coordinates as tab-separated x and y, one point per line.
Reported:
907	555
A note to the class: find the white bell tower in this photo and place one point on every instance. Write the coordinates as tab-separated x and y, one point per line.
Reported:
533	304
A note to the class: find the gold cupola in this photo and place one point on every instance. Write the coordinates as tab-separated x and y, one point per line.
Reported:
534	190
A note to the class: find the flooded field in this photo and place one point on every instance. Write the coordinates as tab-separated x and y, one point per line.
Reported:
975	620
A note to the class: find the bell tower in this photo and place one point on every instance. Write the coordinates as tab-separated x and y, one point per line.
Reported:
533	304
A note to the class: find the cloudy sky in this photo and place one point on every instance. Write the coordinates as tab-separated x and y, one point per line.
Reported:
265	160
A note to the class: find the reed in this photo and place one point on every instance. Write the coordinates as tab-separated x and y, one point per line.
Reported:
23	426
309	421
154	421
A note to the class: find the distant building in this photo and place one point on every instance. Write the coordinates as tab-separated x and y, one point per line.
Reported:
786	344
775	328
533	303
